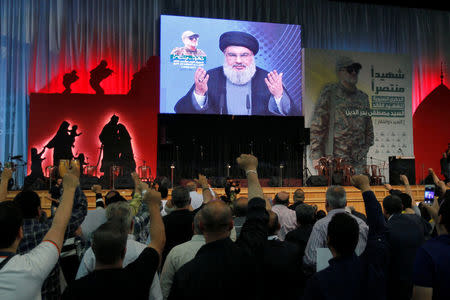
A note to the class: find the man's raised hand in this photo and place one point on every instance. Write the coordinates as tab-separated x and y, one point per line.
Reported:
152	197
201	81
202	181
96	188
71	178
388	186
404	179
274	82
361	182
247	162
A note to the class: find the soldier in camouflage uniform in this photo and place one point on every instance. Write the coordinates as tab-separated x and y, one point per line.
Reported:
190	40
341	125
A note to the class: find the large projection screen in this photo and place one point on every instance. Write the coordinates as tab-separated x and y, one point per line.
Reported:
257	73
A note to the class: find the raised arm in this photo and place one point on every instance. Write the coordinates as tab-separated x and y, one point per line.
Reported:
139	186
6	176
157	232
408	190
435	177
206	192
374	213
249	164
64	211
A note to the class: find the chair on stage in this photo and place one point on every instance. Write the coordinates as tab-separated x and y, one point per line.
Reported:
349	171
145	173
377	177
323	169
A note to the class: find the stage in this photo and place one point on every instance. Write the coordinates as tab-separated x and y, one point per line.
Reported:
313	195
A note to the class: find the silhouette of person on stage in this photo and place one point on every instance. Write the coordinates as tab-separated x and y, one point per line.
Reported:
68	79
126	159
98	74
36	164
61	143
73	134
109	137
82	160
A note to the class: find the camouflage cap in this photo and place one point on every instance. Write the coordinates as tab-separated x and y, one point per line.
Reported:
345	61
189	33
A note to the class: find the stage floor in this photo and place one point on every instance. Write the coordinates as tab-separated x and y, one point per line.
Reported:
313	195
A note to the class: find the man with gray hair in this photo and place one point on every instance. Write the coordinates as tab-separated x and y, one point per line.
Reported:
341	125
121	214
335	203
110	280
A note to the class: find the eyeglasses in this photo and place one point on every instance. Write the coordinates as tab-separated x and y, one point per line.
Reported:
235	55
351	69
193	38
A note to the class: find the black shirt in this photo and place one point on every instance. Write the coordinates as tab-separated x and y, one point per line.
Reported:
220	270
178	226
226	270
131	282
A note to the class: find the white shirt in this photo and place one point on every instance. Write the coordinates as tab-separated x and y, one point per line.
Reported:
134	249
287	219
23	275
177	257
318	237
196	199
92	221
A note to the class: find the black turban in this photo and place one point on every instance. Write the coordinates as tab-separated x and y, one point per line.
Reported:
238	38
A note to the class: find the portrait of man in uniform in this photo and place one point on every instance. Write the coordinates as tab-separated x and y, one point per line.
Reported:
190	41
341	125
238	87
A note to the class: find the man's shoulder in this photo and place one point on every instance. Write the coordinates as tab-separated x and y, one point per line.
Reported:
361	94
215	71
322	222
437	244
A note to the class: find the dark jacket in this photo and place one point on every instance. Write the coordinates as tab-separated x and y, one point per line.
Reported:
406	233
226	270
355	277
282	261
217	95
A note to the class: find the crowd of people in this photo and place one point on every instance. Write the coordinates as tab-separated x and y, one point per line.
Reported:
193	246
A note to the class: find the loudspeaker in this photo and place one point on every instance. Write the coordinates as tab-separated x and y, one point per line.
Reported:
317	180
306	136
401	166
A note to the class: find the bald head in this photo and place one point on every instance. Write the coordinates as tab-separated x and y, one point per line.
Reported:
299	195
282	198
216	218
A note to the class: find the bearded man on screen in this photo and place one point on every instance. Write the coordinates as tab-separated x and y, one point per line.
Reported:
238	87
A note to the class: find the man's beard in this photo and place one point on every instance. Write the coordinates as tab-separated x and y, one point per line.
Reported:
239	77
